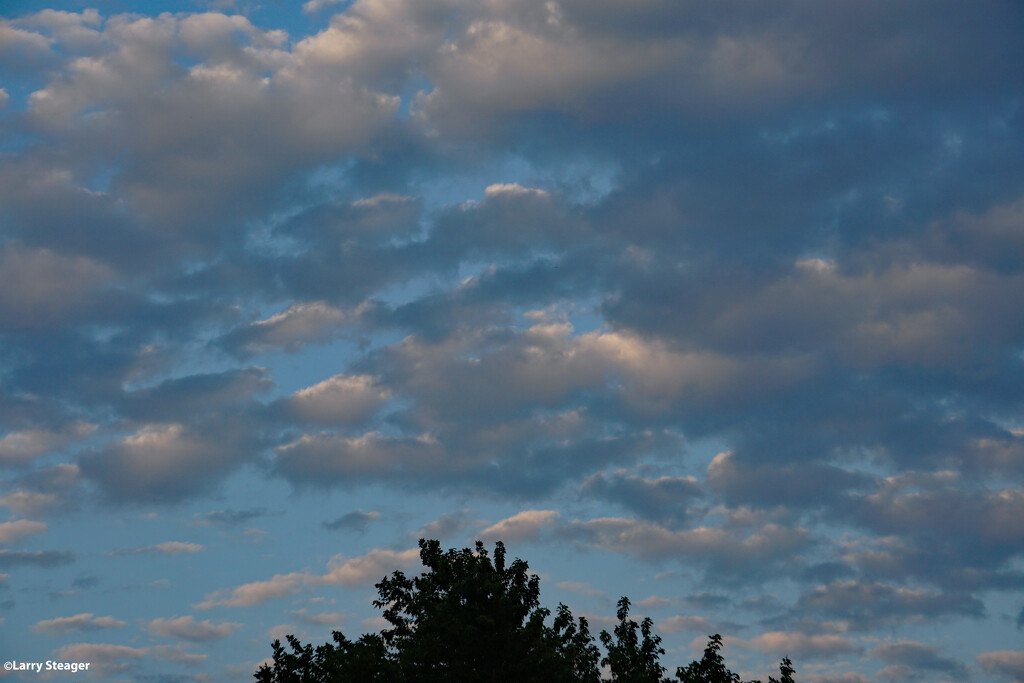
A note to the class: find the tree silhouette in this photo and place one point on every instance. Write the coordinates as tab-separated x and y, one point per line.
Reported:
469	617
633	659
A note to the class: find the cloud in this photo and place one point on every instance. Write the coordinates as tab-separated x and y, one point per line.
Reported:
446	525
165	462
230	517
919	657
368	568
35	558
1009	663
28	503
521	527
357	520
728	552
165	548
299	325
106	658
12	532
581	587
662	499
255	593
38	286
803	644
21	447
79	622
338	400
683	624
865	605
187	628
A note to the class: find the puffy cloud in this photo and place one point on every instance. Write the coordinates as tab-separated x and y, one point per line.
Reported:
79	622
803	644
29	503
187	628
35	558
865	605
368	568
12	532
730	552
1009	663
683	624
255	593
918	657
106	658
165	548
660	499
38	286
292	329
338	400
446	525
165	461
803	484
520	527
20	447
357	520
102	657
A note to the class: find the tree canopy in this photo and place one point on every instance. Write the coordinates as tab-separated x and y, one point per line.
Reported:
474	617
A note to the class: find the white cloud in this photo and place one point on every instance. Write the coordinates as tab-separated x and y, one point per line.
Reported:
20	447
29	503
521	527
1008	663
803	644
255	593
339	399
187	628
165	548
12	532
38	286
79	622
368	568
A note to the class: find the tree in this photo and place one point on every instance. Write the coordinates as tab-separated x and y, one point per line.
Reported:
787	671
633	659
469	617
465	619
711	668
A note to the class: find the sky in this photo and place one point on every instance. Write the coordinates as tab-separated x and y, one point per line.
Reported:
717	305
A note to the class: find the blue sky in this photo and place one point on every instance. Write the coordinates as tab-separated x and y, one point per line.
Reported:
717	305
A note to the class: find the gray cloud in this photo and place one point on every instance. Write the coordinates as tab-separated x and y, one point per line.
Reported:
35	558
919	657
357	520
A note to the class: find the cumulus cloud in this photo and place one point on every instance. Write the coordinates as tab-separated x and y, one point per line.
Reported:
1009	663
368	568
165	548
35	558
683	624
357	520
292	329
919	657
79	622
520	527
21	447
255	593
803	644
187	628
340	399
165	462
38	286
729	551
12	532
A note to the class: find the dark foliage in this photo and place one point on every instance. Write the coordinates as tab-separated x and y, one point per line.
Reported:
469	617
